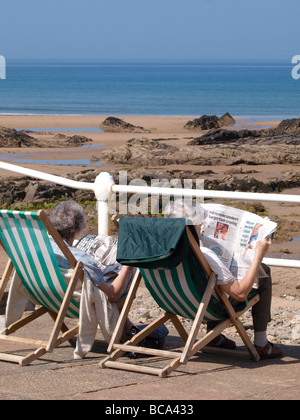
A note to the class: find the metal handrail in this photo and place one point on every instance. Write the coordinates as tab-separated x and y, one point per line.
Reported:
104	186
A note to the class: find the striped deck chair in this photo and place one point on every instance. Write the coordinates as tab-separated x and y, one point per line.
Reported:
176	273
25	238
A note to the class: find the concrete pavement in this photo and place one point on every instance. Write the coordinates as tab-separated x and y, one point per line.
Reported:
57	376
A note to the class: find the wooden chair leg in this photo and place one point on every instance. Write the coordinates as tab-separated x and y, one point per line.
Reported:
125	311
237	323
179	327
24	321
63	329
64	307
5	278
198	319
130	345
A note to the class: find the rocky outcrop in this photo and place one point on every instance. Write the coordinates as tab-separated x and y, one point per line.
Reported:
219	136
287	126
207	122
216	148
287	132
9	137
141	152
77	140
116	125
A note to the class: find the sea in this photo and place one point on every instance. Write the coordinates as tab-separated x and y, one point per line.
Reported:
257	90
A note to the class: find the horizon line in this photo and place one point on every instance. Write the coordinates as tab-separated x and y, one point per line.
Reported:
150	59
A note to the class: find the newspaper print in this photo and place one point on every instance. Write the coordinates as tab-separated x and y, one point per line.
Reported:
233	234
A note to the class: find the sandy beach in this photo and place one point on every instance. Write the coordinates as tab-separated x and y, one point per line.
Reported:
169	130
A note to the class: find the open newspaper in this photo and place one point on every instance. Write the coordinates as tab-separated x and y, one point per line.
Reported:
103	249
233	234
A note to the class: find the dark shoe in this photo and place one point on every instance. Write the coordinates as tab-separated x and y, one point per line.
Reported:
222	342
148	342
269	351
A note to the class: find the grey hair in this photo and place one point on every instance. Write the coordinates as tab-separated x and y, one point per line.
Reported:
68	218
185	208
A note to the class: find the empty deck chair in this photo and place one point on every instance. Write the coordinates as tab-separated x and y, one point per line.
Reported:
174	270
25	238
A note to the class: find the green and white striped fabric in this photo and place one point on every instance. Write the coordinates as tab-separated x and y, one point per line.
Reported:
174	291
27	244
161	249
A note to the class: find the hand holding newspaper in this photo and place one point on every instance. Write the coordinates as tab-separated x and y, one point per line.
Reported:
233	234
103	249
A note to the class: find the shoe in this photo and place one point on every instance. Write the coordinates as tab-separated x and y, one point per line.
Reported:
148	342
269	351
222	342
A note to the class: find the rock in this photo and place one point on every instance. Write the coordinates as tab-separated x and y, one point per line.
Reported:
226	120
288	126
77	140
285	251
296	330
94	159
141	152
113	125
215	136
289	298
286	133
31	191
219	135
9	137
207	122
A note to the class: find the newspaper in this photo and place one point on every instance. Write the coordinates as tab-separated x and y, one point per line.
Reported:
103	249
233	234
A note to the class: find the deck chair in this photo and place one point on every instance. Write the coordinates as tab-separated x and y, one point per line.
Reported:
25	238
168	256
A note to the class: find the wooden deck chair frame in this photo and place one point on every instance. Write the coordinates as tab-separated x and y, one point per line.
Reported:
192	345
55	339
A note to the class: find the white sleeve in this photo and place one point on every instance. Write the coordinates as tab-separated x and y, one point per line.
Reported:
224	276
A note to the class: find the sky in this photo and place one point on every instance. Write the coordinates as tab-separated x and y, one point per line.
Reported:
150	29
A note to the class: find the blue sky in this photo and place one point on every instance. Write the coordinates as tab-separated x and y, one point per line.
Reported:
146	29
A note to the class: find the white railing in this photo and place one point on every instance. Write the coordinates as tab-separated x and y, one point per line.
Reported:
104	186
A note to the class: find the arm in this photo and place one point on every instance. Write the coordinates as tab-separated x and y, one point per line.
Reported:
239	290
113	290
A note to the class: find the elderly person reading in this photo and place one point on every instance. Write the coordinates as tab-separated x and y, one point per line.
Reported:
100	298
237	290
69	220
99	295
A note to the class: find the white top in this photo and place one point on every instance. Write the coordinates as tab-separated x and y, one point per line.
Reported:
224	276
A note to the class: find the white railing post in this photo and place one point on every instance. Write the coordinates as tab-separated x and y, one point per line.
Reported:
102	189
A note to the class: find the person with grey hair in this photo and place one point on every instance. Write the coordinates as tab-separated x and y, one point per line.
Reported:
69	220
240	290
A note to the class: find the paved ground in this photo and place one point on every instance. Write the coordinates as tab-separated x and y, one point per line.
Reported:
208	377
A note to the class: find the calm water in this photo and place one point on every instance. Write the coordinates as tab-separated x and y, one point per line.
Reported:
257	90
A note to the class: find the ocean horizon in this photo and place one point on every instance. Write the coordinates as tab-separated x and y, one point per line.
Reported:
258	90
